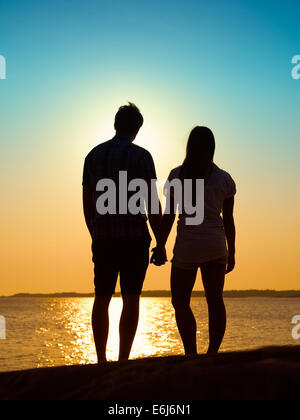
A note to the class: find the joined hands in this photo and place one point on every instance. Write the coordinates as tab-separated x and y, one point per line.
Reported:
159	256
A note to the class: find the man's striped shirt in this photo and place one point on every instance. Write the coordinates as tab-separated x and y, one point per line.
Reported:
105	161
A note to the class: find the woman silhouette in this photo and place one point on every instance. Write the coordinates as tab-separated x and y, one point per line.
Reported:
209	246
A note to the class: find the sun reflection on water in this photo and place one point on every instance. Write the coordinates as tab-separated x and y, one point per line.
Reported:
69	338
52	332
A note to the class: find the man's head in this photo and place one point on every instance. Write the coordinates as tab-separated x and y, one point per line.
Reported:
128	121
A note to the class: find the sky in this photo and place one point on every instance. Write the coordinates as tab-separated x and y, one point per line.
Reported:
71	64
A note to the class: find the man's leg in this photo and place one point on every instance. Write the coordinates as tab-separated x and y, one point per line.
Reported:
105	258
134	264
100	321
128	324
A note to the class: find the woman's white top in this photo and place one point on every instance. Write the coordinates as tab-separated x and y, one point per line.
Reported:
196	244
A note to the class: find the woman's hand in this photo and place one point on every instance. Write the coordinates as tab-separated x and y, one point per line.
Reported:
159	256
231	263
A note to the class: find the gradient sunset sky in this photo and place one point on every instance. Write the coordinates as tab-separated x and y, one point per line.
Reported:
71	64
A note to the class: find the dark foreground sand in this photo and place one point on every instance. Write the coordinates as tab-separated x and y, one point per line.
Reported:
269	373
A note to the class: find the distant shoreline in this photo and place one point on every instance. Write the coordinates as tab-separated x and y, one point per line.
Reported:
166	293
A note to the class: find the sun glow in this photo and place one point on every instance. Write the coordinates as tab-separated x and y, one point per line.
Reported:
77	346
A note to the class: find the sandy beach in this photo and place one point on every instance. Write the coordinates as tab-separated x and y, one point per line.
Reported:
268	373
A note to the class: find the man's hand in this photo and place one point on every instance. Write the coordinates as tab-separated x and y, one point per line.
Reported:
231	263
159	256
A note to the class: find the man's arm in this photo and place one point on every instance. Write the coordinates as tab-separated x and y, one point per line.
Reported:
155	217
88	203
167	223
153	205
159	256
229	227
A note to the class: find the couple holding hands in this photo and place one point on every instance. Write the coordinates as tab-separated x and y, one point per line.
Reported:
121	241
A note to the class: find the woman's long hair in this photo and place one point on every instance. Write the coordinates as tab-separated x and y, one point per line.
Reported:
200	152
199	156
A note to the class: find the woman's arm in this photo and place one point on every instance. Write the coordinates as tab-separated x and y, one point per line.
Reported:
229	227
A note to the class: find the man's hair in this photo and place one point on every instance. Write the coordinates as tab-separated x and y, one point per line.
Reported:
128	118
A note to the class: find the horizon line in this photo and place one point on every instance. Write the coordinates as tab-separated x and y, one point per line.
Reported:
156	293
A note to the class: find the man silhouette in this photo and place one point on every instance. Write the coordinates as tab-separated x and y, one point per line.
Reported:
120	242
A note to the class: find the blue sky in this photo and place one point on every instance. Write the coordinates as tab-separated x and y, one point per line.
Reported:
232	55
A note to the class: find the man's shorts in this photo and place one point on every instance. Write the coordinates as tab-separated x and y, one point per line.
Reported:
128	257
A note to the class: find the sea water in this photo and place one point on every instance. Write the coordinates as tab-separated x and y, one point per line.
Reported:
43	332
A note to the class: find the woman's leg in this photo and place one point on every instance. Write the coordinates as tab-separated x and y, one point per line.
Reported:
213	277
182	284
